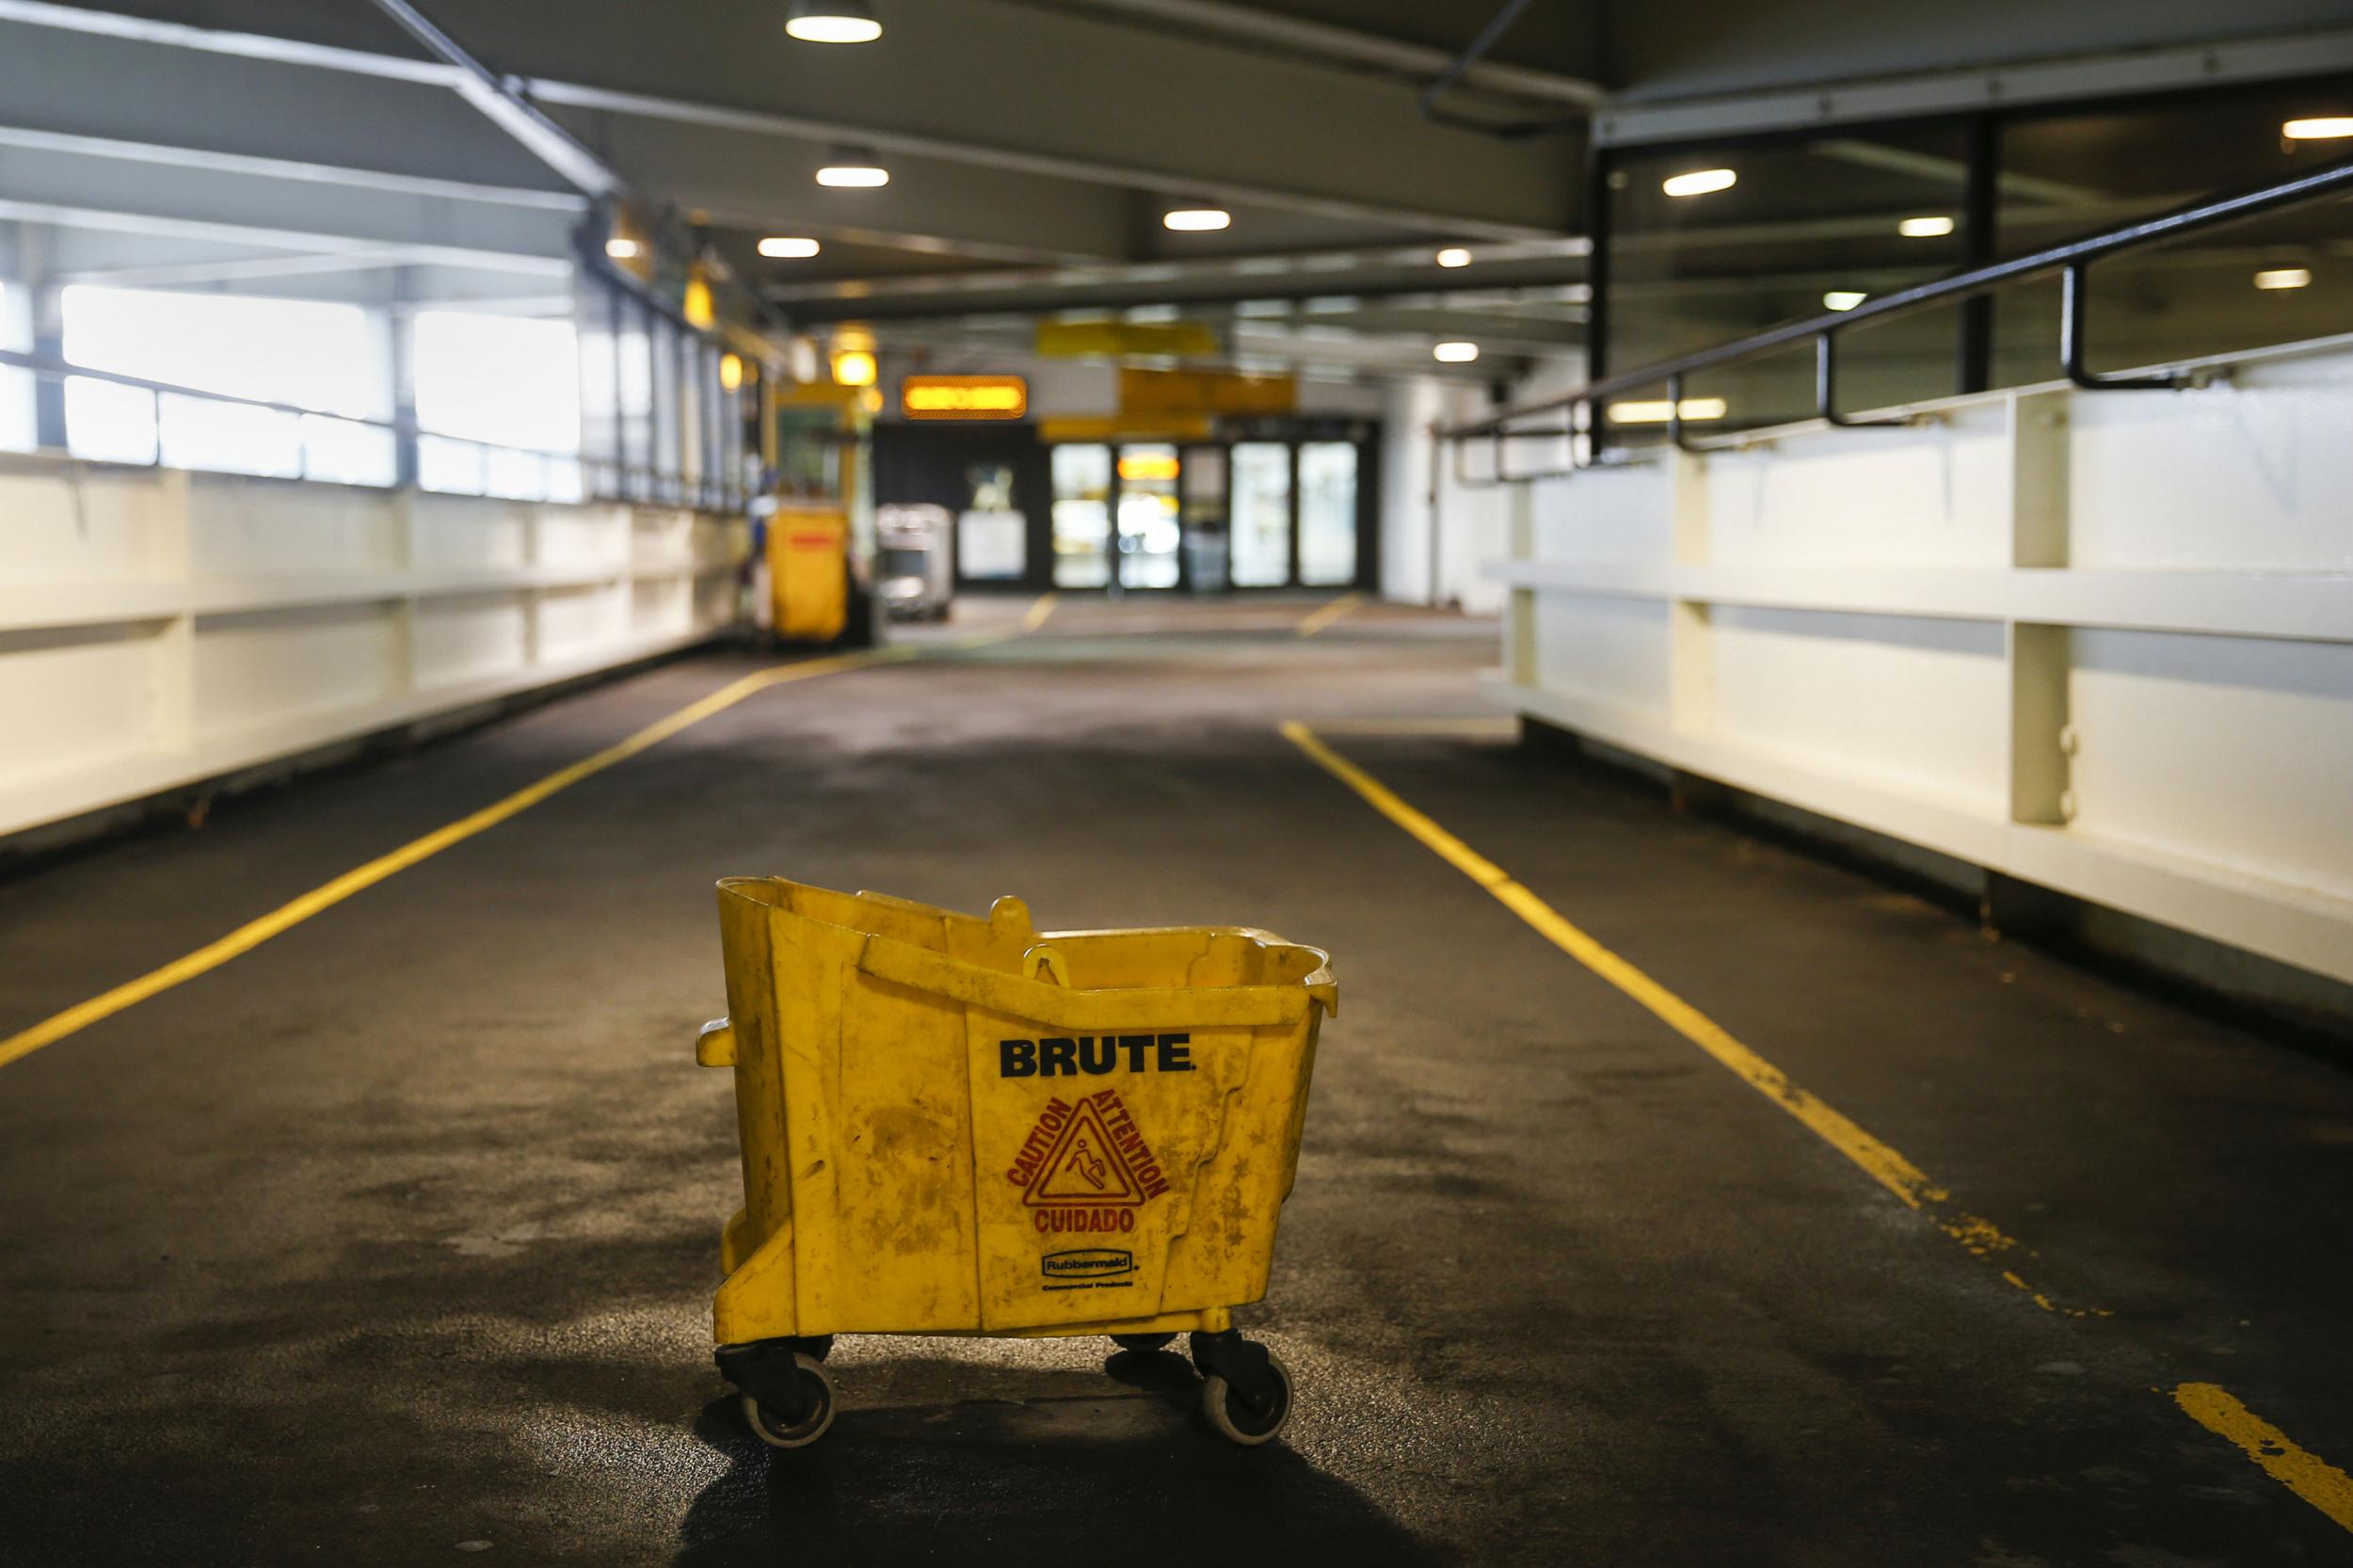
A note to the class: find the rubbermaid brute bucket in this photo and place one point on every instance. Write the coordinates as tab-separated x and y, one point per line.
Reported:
952	1125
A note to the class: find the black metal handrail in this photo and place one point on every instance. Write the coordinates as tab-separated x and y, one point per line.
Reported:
2071	260
602	479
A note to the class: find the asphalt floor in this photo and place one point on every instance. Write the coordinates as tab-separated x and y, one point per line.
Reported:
392	1240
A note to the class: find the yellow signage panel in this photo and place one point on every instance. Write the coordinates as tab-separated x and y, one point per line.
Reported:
1204	392
1067	340
964	397
1163	427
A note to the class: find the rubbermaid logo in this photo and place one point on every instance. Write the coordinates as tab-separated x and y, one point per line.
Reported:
1087	1263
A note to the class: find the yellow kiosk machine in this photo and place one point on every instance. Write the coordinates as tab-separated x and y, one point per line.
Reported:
813	591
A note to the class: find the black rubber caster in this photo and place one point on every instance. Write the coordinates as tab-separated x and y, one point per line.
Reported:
1144	1344
1245	1388
782	1429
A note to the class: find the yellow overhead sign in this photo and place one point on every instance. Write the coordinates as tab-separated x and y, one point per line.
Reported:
1072	339
1164	427
1204	392
964	397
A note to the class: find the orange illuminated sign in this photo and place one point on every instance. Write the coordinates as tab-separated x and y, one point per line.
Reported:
964	397
1148	465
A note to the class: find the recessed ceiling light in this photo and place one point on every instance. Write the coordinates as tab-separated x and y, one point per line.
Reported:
1843	299
784	248
1454	255
832	22
1924	227
1699	182
853	168
2284	278
621	249
853	367
1644	412
1455	353
1196	219
2331	127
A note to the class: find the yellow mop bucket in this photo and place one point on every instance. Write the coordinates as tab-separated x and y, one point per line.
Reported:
956	1126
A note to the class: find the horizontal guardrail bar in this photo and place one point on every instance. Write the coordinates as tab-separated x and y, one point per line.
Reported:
2071	257
633	482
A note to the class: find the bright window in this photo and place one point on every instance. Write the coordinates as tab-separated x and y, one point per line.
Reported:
1261	548
17	430
312	354
1327	513
497	405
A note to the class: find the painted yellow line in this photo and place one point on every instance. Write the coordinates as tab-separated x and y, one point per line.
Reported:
1038	612
1499	727
1981	1236
2308	1476
1328	614
213	954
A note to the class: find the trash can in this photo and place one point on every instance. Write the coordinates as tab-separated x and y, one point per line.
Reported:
952	1125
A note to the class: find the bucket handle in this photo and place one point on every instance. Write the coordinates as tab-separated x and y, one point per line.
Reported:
1040	1002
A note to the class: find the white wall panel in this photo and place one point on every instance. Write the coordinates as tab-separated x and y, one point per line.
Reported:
158	628
1611	650
267	666
2254	474
238	526
466	637
75	697
2168	726
90	523
2100	641
1915	704
1933	495
465	530
573	620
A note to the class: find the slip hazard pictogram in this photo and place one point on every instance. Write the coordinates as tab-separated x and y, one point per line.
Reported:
1086	1165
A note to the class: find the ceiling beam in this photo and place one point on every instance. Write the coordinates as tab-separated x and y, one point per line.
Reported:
235	198
867	129
1347	46
1243	127
1377	274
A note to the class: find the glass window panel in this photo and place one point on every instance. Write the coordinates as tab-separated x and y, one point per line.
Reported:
509	383
600	385
314	354
109	423
2066	174
19	429
693	407
1800	224
1082	518
1203	483
506	380
1327	513
1148	530
1260	543
665	406
634	389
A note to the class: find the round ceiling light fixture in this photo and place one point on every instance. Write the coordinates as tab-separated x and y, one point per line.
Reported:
853	168
832	22
1454	255
1699	182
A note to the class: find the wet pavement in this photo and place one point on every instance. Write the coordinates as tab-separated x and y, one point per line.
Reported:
392	1241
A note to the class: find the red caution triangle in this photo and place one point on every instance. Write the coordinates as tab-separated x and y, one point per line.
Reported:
1083	1169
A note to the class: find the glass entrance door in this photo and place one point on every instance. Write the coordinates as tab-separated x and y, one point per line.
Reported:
1082	492
1149	532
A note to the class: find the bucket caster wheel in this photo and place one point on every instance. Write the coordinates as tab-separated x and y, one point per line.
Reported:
1144	1344
1245	1388
781	1428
